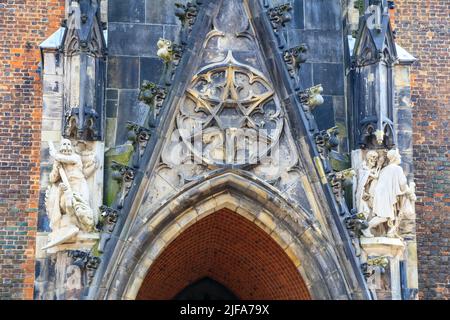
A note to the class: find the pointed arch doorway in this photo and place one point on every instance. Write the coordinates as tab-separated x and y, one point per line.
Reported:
223	256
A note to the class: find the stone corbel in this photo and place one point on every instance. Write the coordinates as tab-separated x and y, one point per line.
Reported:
86	262
139	136
125	176
279	16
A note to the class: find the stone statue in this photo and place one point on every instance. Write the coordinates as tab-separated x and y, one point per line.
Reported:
392	197
67	197
366	182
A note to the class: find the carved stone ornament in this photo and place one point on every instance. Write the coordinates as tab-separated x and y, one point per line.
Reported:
86	262
231	111
383	194
311	97
168	51
139	136
294	57
152	95
279	16
72	220
187	13
110	217
337	181
228	117
125	176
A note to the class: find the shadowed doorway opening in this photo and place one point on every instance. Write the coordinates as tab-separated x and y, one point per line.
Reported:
206	289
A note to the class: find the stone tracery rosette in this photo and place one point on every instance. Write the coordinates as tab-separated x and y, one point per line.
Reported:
230	115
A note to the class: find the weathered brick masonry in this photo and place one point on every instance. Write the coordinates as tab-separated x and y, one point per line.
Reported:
24	24
423	29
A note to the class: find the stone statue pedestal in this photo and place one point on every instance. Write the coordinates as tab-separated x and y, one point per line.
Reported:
390	248
382	246
82	241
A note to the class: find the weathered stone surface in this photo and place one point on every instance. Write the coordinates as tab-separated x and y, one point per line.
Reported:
322	15
133	39
123	73
126	11
330	75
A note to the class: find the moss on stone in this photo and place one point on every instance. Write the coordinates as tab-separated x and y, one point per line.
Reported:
121	154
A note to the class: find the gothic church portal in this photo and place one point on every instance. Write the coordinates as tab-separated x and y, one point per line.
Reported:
238	149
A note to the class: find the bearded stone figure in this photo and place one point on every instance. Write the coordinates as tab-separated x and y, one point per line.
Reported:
367	180
67	197
392	197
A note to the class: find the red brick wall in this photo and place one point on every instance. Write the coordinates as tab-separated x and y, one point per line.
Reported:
231	250
422	29
24	24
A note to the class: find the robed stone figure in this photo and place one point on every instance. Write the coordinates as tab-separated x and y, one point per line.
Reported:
392	197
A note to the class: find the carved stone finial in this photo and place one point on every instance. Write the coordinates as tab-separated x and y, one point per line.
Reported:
170	53
311	97
326	141
110	217
355	224
337	181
